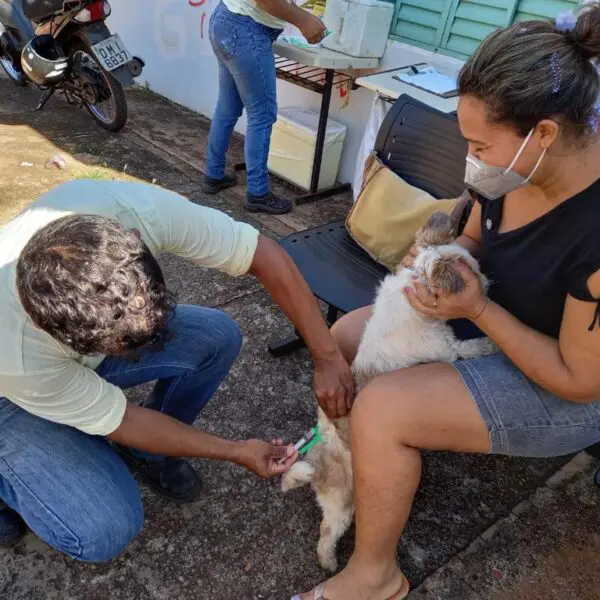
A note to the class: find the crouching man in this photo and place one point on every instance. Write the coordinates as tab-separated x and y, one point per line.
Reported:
85	314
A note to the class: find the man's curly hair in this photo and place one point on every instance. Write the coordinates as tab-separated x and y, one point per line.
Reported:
94	286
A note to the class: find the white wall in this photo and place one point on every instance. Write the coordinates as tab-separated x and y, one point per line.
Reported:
172	37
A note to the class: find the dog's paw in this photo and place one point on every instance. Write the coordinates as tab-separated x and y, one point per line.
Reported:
327	559
326	554
287	482
300	474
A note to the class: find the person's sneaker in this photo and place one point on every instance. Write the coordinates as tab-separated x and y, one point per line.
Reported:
269	203
212	186
12	526
172	477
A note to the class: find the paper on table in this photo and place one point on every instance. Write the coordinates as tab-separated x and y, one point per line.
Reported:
429	79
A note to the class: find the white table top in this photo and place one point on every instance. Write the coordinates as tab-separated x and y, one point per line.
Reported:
385	85
323	57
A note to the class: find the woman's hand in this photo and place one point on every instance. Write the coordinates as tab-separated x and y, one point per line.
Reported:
468	304
312	28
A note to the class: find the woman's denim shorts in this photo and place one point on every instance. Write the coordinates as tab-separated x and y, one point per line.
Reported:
523	419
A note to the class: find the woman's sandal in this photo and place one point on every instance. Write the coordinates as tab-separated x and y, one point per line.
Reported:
320	590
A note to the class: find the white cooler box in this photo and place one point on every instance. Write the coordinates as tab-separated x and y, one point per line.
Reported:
359	27
293	144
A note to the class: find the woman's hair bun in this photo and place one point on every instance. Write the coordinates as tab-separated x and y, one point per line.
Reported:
540	69
586	35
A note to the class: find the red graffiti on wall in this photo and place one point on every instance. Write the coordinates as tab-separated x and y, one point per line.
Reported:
202	19
197	4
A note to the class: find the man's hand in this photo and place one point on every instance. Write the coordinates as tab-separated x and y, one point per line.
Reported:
152	431
312	28
334	386
333	382
266	460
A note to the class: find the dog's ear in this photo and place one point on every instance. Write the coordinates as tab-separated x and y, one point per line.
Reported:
445	276
438	230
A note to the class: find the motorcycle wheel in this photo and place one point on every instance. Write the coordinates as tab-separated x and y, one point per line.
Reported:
7	60
102	95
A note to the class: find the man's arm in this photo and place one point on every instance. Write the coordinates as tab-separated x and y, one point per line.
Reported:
75	395
213	239
334	385
151	431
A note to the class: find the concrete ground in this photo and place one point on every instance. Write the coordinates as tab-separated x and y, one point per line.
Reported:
483	528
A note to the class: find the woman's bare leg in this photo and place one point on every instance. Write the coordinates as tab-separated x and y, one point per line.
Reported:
423	407
348	330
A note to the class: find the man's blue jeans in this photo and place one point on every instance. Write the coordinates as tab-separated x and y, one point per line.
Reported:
72	489
244	49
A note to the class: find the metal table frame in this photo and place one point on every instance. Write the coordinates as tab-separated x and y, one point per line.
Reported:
310	78
321	81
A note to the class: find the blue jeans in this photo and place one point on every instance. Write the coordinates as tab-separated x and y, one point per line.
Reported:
244	50
522	418
71	488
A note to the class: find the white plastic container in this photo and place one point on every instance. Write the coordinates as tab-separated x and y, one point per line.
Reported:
293	143
359	27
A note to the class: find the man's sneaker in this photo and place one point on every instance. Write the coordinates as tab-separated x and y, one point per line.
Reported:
269	203
212	186
172	477
12	526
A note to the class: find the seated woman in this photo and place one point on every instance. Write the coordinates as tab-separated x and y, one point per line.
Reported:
528	108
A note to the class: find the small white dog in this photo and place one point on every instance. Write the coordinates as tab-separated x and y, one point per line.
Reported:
395	336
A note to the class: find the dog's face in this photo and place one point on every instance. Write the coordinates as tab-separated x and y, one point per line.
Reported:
436	262
436	268
438	230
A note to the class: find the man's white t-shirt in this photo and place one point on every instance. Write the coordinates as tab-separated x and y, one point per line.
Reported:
50	380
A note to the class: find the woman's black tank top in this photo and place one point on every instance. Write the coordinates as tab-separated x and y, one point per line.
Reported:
532	269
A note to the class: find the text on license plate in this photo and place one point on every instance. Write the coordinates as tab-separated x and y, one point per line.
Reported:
111	53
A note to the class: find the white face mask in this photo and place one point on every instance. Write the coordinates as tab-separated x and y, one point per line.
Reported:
495	182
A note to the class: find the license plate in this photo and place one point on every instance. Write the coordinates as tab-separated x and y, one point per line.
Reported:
111	53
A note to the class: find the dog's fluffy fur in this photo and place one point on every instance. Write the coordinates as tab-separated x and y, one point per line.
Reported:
396	336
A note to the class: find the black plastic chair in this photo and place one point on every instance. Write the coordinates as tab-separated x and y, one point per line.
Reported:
424	147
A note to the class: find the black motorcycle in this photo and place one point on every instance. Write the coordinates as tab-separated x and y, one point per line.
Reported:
98	63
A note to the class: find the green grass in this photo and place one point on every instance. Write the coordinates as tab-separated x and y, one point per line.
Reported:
95	174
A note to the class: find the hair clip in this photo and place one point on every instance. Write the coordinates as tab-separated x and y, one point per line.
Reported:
594	119
566	20
556	73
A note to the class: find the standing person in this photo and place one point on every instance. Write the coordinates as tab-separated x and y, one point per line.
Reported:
242	33
527	109
85	314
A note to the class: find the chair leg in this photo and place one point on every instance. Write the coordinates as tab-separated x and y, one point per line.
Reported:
295	342
333	314
287	345
595	452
